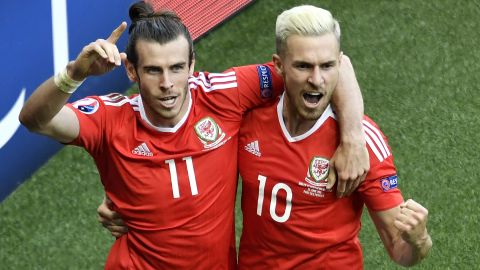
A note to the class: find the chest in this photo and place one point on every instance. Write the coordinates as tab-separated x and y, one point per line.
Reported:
283	170
142	164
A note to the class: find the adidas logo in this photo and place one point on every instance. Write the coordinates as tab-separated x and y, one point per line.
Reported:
253	148
142	150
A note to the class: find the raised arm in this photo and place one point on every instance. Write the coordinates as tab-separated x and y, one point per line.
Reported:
45	113
403	231
350	162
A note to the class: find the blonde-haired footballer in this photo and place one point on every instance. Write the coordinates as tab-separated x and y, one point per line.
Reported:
290	219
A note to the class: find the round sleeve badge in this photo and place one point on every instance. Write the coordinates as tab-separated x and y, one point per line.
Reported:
87	105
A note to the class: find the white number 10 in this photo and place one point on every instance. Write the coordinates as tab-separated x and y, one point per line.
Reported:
273	202
174	178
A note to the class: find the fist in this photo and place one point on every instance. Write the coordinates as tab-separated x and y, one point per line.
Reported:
411	221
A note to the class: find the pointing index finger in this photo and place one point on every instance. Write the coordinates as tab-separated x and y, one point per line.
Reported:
117	33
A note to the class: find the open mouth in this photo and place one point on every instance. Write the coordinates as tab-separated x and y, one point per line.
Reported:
312	98
168	101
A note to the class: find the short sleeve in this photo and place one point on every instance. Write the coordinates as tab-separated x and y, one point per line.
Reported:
380	189
233	92
90	112
258	84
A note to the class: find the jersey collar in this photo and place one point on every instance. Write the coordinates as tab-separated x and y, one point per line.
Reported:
165	129
326	114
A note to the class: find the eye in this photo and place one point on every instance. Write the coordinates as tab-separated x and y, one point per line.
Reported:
302	66
177	68
153	70
328	65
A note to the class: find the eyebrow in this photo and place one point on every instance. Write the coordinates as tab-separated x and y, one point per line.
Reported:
301	62
182	63
179	64
298	62
329	62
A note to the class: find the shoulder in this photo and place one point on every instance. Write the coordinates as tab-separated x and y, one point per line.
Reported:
112	102
261	76
209	81
262	115
376	141
119	100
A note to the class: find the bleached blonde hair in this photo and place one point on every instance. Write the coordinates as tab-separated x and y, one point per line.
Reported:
305	20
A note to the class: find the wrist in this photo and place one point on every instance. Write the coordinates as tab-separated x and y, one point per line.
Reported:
424	241
73	73
353	136
65	82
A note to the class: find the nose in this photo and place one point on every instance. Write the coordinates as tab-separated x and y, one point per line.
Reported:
165	81
316	77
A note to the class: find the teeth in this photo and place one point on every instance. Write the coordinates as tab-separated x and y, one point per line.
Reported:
313	97
168	100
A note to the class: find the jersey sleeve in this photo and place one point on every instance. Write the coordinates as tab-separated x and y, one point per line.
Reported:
257	84
233	92
380	189
91	114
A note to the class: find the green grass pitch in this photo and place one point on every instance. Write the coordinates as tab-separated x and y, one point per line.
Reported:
418	66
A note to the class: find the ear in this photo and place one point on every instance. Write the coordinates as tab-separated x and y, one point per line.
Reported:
192	67
131	73
277	62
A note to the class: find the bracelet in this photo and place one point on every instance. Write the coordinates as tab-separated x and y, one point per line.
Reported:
65	83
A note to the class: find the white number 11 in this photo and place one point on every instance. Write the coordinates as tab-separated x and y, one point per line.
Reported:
174	178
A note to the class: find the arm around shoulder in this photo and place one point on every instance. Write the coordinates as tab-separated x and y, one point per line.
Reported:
348	102
351	159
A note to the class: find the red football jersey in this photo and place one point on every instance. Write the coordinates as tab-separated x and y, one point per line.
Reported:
174	187
290	220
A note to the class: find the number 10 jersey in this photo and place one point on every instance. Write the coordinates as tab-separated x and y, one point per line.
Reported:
290	220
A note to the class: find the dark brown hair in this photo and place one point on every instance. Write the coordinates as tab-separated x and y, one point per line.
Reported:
162	27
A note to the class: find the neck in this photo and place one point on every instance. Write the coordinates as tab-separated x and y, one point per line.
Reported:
160	121
296	125
163	122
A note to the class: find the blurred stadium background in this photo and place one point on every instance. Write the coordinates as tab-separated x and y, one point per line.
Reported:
417	63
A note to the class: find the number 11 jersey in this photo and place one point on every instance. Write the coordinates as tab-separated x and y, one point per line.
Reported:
174	187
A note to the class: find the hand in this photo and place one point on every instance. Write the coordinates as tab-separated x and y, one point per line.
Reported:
98	57
411	221
111	220
352	163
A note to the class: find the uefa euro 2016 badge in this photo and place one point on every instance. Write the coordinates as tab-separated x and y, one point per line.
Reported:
316	179
87	105
209	133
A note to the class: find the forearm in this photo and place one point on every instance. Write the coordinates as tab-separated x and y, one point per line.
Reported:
348	105
407	254
403	230
42	106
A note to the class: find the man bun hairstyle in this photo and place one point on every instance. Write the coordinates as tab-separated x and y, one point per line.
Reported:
162	27
305	20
